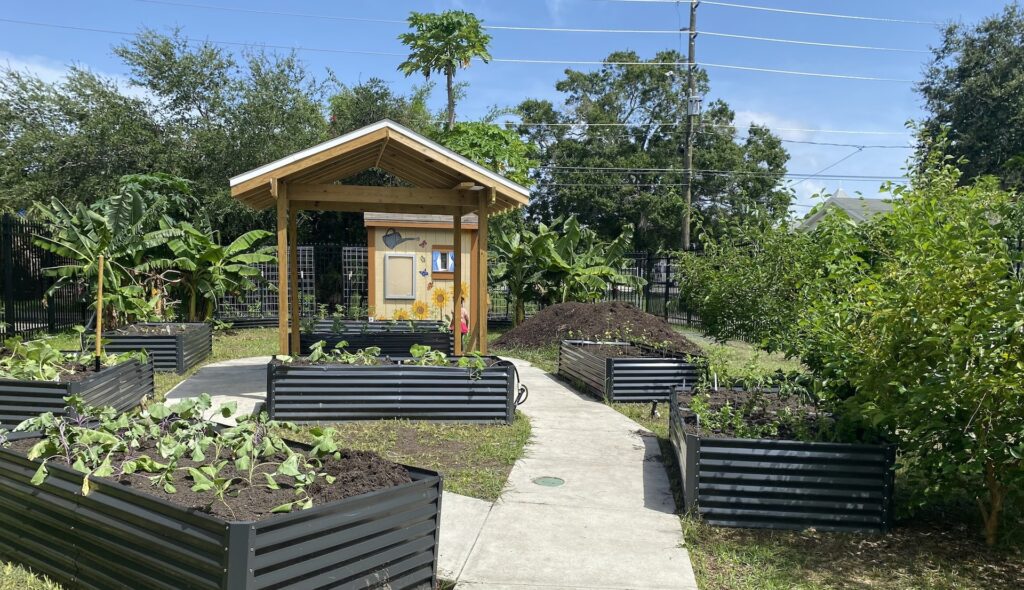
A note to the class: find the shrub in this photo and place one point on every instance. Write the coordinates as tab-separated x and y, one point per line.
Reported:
918	317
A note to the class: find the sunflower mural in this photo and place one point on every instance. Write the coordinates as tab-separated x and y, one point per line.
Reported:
420	310
465	289
441	298
401	314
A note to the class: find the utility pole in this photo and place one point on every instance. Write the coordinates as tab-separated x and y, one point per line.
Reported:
692	112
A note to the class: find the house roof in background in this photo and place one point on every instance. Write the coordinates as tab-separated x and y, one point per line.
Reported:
857	208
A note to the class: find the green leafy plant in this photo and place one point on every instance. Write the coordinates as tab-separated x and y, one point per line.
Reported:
423	355
474	362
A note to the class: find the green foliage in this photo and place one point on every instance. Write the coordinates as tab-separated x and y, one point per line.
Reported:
623	105
366	356
561	262
204	270
916	317
974	91
444	43
491	146
747	283
424	356
99	442
40	360
125	229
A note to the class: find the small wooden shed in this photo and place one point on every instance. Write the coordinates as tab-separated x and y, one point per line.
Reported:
441	181
411	265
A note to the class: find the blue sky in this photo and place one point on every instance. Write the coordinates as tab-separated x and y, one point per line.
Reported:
779	100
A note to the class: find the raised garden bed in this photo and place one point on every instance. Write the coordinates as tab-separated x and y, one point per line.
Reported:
172	347
624	372
122	386
341	392
119	537
781	484
393	338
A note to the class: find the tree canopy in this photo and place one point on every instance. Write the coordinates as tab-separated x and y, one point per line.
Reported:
974	89
625	164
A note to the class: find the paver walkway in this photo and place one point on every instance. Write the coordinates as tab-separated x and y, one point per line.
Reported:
609	526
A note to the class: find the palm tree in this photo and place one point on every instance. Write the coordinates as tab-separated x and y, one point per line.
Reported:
444	42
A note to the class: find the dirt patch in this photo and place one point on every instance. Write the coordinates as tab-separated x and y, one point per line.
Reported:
594	321
730	413
453	362
357	472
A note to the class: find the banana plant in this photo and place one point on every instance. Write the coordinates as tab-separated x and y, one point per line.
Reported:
203	270
580	266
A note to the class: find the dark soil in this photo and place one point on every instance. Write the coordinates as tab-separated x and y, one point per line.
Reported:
758	408
160	330
617	352
357	472
380	362
594	321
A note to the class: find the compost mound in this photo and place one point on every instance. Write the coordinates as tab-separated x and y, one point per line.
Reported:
594	321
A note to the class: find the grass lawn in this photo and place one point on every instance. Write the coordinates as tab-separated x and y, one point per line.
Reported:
474	459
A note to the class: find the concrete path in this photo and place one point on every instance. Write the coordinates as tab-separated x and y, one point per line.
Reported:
609	526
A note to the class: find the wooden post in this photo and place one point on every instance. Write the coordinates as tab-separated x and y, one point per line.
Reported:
280	191
457	293
486	198
293	277
474	292
99	313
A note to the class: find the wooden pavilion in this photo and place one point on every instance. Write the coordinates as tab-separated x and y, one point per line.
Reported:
442	182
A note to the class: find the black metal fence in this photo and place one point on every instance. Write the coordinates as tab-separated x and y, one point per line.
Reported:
261	303
25	307
660	295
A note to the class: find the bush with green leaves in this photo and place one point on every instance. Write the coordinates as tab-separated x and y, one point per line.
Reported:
917	319
747	283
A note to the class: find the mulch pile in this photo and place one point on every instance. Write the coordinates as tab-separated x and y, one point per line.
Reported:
594	321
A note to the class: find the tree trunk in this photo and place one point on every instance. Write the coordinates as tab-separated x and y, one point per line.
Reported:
992	510
520	312
450	75
192	305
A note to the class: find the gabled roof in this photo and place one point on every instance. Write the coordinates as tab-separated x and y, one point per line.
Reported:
857	208
385	145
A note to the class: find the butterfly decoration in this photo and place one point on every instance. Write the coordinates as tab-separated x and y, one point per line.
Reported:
424	272
423	258
430	285
423	244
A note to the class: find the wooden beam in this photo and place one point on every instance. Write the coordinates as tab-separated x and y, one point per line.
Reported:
368	207
293	278
457	279
384	146
486	198
474	291
378	195
371	272
282	267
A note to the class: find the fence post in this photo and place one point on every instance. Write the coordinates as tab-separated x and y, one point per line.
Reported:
649	276
7	261
668	282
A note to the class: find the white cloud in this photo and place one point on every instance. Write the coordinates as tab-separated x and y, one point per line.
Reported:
50	71
773	121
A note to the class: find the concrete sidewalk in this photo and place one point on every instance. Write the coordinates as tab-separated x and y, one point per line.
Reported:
610	525
243	381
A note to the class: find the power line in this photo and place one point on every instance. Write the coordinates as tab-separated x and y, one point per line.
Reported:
499	60
827	168
792	175
529	28
790	11
723	126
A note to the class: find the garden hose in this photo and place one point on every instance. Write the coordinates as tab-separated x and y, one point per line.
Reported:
523	392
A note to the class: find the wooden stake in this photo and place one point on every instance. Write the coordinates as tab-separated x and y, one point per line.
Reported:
99	314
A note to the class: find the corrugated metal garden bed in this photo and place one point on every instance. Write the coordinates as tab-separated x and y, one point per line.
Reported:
646	378
393	338
121	386
117	537
783	484
340	392
177	351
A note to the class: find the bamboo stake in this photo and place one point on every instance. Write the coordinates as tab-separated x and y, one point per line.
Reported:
99	315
